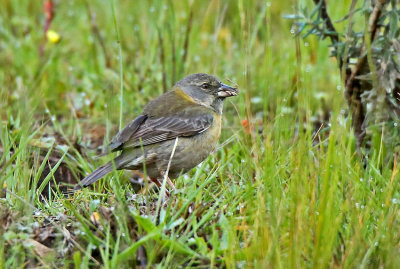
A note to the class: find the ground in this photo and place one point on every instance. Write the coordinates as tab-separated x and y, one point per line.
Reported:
285	188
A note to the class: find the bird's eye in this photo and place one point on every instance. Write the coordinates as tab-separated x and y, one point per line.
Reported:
205	86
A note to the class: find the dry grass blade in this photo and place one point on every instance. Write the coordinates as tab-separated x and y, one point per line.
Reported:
165	179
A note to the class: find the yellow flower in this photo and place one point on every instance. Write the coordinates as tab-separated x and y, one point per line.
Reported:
53	36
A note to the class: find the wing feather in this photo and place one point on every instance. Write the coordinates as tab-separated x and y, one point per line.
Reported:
126	133
146	130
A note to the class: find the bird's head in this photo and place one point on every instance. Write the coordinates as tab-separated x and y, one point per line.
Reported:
206	90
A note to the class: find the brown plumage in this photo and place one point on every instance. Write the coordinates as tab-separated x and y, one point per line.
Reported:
191	110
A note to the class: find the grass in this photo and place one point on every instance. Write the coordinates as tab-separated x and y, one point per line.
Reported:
284	189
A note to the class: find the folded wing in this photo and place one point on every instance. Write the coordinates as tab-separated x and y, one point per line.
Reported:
145	130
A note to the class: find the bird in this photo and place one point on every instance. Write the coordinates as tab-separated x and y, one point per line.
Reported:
186	119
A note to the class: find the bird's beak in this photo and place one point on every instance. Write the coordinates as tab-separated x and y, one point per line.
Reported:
227	91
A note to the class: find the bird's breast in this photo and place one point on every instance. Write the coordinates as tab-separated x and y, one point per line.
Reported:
209	138
193	150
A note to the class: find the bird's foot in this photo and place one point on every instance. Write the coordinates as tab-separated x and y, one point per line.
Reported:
169	182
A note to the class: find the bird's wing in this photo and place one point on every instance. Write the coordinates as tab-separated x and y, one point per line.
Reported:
146	130
126	133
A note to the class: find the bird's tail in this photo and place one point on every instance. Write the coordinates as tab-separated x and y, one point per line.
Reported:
96	175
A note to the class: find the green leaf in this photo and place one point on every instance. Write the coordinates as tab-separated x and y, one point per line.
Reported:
128	252
145	223
393	25
179	247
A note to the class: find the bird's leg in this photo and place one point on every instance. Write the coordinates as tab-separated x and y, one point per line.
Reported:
158	183
169	182
147	188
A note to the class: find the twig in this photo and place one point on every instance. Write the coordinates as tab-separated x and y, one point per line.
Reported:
48	9
354	87
329	25
343	70
49	12
328	22
372	27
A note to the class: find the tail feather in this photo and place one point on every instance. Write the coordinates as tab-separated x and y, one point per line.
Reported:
96	175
